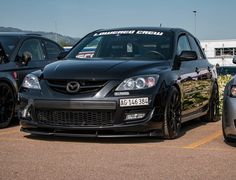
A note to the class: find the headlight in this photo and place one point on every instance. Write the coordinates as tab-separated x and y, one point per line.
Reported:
137	83
31	82
233	91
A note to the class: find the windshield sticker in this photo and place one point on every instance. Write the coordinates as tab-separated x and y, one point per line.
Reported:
154	33
85	54
114	33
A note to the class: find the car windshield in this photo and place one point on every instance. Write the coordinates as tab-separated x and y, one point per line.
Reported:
8	43
130	44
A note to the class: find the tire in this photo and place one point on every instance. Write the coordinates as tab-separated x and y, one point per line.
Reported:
228	139
7	104
172	115
213	111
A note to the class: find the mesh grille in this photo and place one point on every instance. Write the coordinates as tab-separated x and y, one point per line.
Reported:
74	118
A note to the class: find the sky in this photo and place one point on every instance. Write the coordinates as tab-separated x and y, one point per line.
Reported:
215	19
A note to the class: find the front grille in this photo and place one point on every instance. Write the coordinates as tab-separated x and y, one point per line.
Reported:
85	86
65	118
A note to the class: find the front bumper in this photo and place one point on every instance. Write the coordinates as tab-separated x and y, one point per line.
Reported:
229	116
100	118
52	131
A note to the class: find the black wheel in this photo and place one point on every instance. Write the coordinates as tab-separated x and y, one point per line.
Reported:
213	111
172	115
7	104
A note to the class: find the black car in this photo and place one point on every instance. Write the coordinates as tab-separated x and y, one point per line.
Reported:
134	82
20	54
224	70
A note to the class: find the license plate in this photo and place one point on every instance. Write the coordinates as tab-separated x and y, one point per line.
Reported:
134	102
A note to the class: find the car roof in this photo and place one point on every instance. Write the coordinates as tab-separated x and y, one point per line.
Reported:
144	28
18	34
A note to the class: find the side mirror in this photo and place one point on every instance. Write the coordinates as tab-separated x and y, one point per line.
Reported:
26	57
234	59
187	56
62	55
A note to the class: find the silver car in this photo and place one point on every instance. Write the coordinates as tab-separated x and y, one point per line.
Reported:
229	110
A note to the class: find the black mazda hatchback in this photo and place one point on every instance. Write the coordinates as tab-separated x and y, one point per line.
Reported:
122	82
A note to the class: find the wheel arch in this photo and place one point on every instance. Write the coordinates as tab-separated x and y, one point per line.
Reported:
178	88
11	113
12	84
160	99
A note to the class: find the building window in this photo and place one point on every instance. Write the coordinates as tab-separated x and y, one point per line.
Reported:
218	51
225	51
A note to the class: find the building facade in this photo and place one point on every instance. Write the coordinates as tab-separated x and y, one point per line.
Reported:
220	52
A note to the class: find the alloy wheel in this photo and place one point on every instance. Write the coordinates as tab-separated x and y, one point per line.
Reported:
172	124
7	104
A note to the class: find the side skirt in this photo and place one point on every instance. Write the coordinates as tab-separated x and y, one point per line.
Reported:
194	115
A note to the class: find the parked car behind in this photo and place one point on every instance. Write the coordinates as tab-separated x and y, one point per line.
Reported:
134	82
20	54
229	110
224	70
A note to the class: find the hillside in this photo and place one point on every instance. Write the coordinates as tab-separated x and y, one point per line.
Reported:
61	39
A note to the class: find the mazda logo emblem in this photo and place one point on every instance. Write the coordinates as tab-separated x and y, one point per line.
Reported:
73	87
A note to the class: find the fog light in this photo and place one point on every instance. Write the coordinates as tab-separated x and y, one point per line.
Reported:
133	116
26	113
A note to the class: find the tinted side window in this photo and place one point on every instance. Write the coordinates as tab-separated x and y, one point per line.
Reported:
52	49
9	43
196	48
183	44
33	46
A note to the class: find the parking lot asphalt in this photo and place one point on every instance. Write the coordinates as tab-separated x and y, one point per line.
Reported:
200	153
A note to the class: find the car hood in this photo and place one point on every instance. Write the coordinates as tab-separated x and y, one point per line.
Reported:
102	69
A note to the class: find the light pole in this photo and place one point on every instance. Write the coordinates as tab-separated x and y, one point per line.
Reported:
195	22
